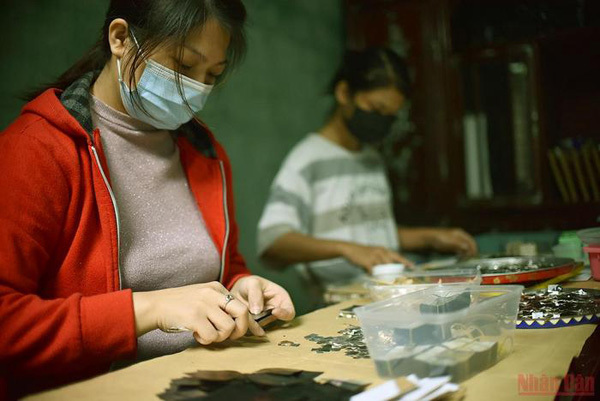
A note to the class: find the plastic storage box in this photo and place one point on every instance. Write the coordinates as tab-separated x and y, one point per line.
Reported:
569	246
444	330
419	280
590	236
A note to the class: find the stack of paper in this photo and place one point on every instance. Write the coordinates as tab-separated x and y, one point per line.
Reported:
410	388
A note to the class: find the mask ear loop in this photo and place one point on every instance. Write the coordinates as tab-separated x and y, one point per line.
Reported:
134	39
119	60
135	98
119	73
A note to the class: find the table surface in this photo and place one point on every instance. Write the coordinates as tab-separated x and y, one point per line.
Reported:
538	352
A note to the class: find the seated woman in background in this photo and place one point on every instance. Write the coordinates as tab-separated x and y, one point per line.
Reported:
330	205
118	239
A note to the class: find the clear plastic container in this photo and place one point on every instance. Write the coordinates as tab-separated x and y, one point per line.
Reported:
388	272
569	237
590	236
411	281
572	251
456	330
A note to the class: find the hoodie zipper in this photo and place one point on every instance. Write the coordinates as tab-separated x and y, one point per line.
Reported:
226	212
116	209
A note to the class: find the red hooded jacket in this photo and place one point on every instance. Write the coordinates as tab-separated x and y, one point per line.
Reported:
63	315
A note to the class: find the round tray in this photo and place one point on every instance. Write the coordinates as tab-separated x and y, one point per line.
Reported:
522	269
591	315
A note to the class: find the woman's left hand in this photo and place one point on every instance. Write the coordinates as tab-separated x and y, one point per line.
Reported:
260	294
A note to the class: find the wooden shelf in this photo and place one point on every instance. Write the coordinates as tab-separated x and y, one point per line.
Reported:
564	69
527	217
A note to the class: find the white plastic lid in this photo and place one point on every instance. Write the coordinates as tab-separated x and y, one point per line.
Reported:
389	269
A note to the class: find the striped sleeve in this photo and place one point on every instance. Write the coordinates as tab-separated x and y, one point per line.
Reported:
287	209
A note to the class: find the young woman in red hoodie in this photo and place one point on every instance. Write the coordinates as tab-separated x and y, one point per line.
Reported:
118	238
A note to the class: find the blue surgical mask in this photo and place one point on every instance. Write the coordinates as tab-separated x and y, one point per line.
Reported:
162	106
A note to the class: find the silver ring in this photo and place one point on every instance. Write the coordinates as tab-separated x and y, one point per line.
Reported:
171	330
228	299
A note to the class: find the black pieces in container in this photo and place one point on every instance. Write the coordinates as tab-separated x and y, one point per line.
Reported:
423	335
459	358
447	304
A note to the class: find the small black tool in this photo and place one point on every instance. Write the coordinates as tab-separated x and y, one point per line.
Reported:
262	318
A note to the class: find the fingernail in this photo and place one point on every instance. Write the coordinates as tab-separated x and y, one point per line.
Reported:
255	309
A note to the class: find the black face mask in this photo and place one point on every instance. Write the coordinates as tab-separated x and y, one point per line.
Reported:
369	126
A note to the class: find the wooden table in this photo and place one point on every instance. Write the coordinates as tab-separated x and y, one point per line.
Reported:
539	352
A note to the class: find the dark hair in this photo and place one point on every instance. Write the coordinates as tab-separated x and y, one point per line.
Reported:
155	23
373	68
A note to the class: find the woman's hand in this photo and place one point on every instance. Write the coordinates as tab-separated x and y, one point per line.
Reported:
453	240
201	308
368	257
260	294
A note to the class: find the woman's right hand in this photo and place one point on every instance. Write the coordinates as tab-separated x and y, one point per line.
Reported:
368	257
201	308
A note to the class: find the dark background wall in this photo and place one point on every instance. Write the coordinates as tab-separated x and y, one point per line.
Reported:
273	100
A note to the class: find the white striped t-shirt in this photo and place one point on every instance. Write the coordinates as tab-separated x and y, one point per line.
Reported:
326	191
